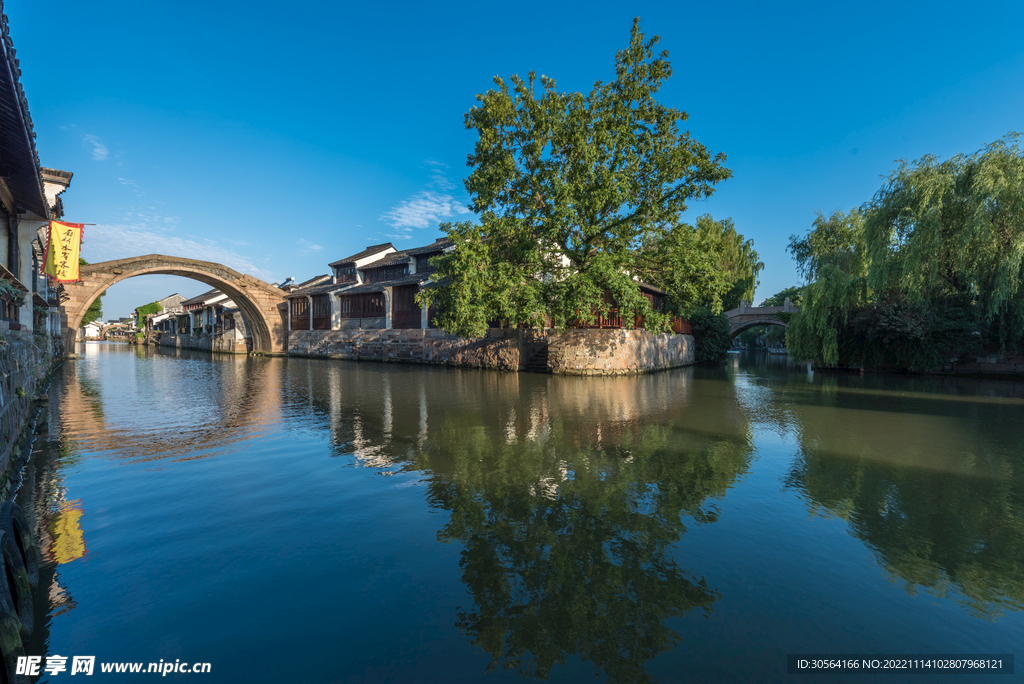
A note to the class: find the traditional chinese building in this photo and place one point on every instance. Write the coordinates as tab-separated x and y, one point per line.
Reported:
366	309
210	321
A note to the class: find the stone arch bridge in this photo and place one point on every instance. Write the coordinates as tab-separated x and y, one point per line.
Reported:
262	305
746	317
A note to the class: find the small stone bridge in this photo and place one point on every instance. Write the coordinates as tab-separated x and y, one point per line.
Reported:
746	317
262	305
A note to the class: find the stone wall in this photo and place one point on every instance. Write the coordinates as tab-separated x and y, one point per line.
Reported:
26	361
577	352
617	352
500	349
229	342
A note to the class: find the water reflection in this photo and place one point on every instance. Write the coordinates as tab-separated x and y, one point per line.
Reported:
567	496
568	539
927	472
567	501
176	404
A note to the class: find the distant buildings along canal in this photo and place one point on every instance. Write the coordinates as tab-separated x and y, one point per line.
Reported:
210	321
366	308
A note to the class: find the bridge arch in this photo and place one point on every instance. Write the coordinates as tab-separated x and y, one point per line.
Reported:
746	317
262	305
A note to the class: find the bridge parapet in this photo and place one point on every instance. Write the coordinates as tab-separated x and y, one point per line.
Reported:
745	317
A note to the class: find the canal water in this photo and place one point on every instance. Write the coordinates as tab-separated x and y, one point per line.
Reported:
294	520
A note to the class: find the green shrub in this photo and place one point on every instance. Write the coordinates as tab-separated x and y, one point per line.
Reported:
711	335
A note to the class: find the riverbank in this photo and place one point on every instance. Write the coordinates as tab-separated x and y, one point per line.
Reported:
573	352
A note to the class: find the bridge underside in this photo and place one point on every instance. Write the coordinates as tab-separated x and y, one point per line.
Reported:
736	327
262	305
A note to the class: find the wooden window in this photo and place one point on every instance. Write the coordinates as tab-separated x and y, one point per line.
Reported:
345	274
376	275
300	313
365	305
423	264
405	313
321	312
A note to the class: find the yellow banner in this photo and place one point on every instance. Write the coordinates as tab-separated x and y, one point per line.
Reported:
62	248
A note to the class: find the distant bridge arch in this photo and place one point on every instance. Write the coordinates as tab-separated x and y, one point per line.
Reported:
262	305
746	317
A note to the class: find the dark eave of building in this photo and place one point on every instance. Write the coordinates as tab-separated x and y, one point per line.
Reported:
303	289
652	288
392	259
415	279
21	184
369	251
438	245
203	298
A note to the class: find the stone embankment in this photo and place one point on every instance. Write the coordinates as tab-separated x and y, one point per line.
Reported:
26	361
227	342
577	352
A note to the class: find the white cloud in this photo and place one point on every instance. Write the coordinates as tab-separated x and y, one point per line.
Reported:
308	246
99	150
422	210
105	242
438	179
426	208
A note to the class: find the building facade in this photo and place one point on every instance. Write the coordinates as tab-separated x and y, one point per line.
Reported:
366	308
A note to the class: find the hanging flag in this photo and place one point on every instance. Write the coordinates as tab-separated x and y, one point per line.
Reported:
62	248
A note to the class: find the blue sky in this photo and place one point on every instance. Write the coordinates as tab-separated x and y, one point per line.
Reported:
277	137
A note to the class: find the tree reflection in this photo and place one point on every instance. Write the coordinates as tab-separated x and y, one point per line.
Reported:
568	540
952	524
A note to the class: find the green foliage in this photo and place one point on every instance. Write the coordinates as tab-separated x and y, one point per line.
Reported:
737	259
95	310
955	228
145	310
795	295
925	272
11	293
578	195
711	335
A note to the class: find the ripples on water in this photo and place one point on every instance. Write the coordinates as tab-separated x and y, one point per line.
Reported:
304	520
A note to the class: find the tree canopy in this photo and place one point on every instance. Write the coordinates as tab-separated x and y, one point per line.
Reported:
579	195
926	271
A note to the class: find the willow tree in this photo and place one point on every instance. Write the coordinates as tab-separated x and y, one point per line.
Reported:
572	192
832	257
941	231
737	259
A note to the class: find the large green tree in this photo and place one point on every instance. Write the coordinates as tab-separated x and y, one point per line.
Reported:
946	230
922	273
738	263
579	195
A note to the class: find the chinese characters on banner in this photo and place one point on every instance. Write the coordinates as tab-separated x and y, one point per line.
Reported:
62	249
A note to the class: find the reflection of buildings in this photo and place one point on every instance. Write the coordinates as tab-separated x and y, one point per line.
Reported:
385	415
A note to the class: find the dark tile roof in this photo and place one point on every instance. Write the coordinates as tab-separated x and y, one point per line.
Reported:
389	260
199	299
415	279
17	138
311	286
319	287
437	245
369	251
